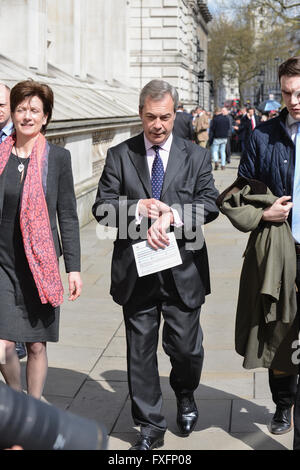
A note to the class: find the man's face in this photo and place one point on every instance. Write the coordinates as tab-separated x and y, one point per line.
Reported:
290	89
158	118
4	107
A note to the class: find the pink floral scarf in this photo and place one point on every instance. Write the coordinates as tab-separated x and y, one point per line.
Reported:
35	224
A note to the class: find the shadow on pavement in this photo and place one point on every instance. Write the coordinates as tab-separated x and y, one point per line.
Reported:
106	401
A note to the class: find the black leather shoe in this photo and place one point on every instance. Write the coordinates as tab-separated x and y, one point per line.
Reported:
187	414
282	421
21	351
148	442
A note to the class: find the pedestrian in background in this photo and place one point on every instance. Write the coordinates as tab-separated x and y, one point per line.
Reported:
226	112
248	123
201	128
6	124
218	136
183	125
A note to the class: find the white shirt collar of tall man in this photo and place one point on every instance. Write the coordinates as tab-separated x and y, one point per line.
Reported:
291	125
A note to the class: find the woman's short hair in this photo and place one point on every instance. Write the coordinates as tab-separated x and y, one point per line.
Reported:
290	67
157	89
30	88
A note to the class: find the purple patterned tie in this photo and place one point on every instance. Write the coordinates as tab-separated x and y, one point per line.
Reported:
157	177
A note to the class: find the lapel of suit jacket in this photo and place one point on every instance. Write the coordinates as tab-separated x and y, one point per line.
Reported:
137	154
177	157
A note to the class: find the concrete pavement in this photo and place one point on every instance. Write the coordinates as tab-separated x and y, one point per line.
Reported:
87	368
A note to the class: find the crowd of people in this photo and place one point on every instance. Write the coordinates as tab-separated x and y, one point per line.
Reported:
225	131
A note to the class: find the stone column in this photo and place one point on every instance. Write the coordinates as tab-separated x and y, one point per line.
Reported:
80	38
37	35
108	50
67	22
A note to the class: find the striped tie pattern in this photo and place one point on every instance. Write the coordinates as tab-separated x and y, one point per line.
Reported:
157	177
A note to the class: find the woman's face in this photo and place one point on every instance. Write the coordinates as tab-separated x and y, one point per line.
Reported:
29	117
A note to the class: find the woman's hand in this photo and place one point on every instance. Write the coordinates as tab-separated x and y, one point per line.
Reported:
75	285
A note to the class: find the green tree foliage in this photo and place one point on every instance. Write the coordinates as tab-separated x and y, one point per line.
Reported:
240	45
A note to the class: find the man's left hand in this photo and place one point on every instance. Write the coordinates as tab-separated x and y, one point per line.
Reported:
157	234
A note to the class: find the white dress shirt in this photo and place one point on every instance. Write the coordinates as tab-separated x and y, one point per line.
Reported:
291	125
7	131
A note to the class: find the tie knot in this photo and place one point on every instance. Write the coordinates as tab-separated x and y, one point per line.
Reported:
156	148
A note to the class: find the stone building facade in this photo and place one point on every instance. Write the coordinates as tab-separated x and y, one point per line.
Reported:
168	39
96	55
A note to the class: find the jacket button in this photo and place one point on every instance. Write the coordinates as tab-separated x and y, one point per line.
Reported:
284	161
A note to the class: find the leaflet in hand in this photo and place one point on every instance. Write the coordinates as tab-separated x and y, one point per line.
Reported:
149	261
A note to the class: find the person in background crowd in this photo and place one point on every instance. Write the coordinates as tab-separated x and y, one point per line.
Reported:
201	128
226	112
248	123
6	124
183	125
218	137
193	116
236	144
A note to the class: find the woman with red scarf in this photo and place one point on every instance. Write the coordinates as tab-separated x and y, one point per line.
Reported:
36	190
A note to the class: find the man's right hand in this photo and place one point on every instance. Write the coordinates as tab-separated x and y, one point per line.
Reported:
279	211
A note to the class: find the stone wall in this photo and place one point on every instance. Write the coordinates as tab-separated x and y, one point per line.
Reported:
103	52
165	38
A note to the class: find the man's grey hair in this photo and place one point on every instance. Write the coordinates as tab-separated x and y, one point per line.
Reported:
157	89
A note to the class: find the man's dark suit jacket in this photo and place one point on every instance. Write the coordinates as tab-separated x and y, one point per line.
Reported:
183	126
61	203
188	180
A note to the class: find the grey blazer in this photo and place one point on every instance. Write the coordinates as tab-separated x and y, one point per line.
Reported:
188	183
61	202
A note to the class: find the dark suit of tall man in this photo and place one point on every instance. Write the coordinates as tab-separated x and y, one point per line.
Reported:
177	293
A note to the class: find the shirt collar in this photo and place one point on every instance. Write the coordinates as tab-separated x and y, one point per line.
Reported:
8	129
291	121
166	145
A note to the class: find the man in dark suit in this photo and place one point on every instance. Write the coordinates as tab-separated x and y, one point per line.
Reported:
248	123
156	189
183	125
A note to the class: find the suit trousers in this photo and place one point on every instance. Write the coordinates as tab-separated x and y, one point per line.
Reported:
155	296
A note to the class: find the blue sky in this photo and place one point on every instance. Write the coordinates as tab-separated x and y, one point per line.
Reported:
212	6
